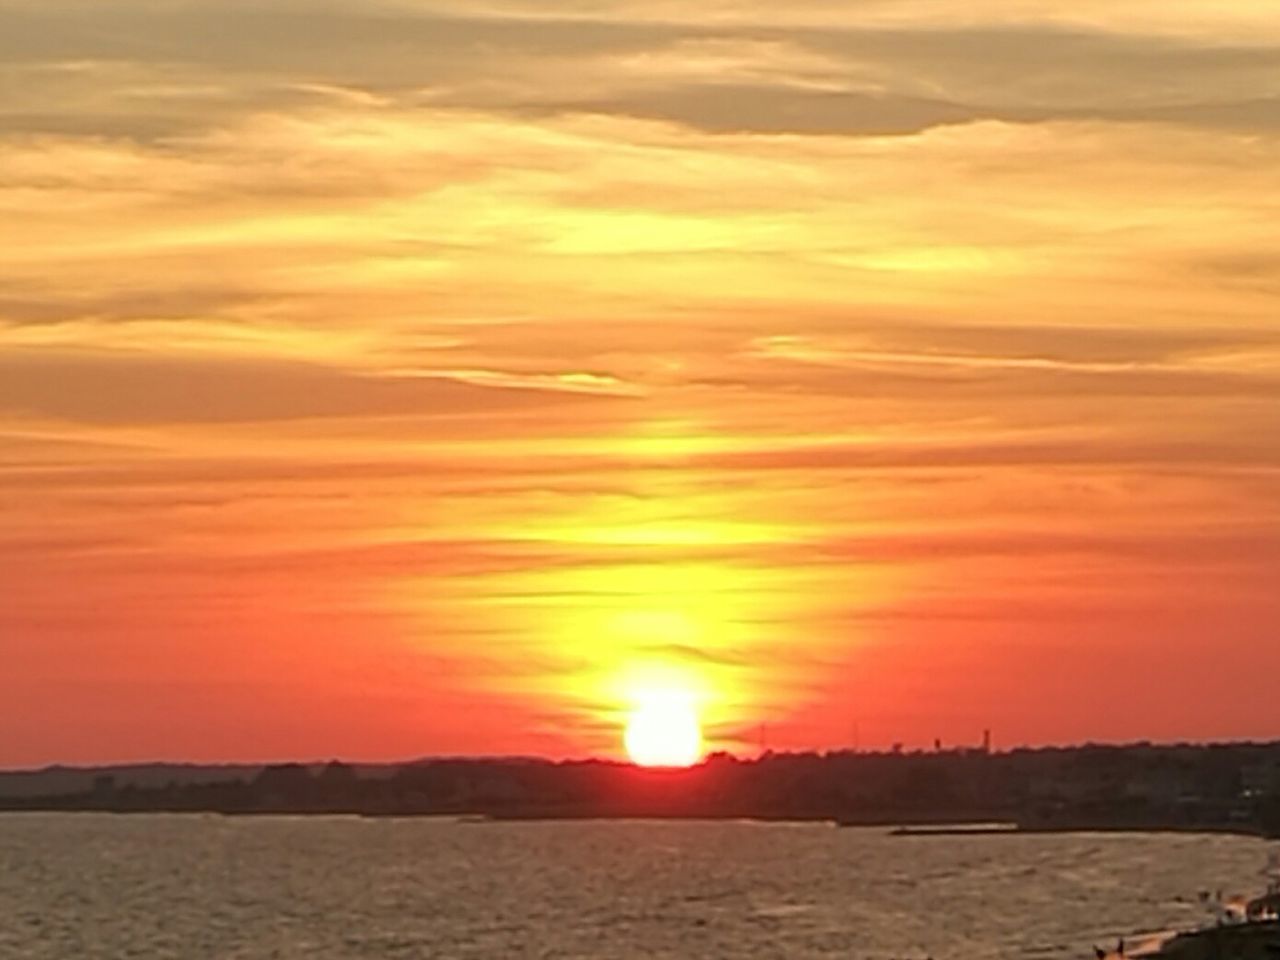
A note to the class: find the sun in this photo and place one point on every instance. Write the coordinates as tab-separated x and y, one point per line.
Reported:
663	730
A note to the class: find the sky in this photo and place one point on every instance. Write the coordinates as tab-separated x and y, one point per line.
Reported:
394	378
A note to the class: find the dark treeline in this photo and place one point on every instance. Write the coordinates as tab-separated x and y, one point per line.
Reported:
1219	787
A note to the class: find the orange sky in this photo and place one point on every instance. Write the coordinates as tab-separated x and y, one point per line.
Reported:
392	378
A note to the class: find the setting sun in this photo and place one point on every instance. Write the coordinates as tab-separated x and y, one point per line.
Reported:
664	731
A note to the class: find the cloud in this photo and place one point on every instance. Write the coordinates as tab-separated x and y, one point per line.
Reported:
578	382
98	388
155	71
683	652
1086	451
138	304
725	108
1045	362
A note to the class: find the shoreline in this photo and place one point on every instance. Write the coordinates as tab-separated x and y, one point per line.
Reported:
1015	830
893	828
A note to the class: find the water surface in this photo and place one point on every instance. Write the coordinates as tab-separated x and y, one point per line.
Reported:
214	888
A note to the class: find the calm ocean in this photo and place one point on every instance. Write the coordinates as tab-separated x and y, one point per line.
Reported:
196	887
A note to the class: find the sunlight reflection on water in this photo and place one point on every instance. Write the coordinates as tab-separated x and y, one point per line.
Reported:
211	887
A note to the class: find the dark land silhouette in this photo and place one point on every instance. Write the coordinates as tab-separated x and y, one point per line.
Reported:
1224	787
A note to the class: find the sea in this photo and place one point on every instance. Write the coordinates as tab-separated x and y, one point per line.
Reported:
75	886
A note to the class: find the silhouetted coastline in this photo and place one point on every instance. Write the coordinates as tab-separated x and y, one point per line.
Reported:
1219	788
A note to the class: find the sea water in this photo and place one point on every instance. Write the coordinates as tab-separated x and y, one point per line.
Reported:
197	887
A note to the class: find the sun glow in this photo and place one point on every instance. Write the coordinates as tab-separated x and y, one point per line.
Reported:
664	730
